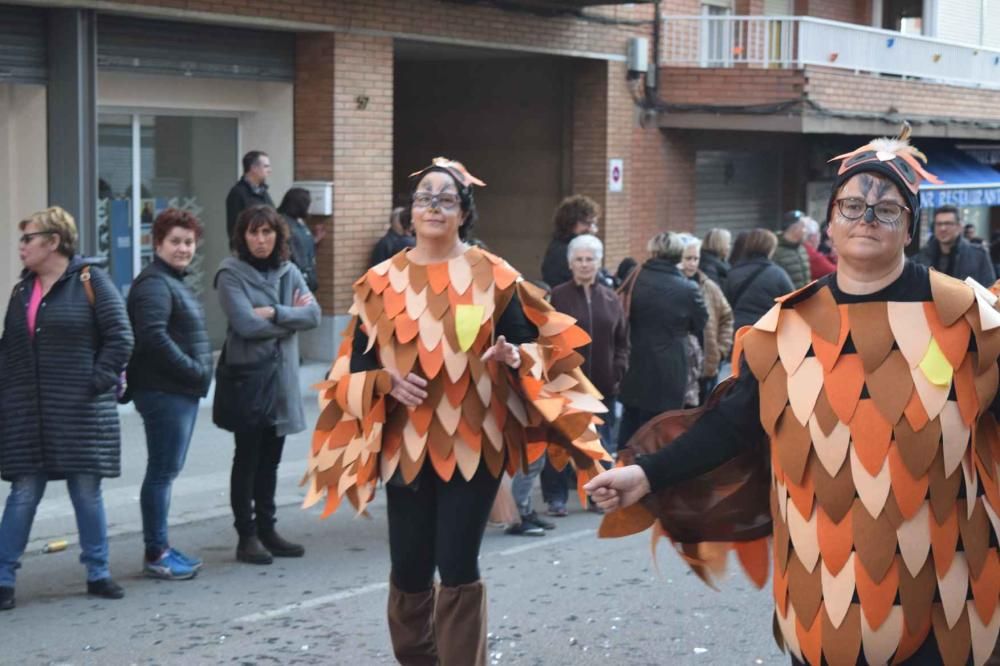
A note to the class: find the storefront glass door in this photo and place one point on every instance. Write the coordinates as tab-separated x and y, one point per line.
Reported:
178	161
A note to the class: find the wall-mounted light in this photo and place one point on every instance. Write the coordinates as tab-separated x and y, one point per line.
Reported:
362	102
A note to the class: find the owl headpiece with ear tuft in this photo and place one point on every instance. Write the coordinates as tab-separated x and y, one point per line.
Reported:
895	159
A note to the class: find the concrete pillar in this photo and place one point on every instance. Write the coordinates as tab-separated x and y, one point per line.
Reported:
72	118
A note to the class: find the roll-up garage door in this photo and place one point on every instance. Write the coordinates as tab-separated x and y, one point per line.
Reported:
189	49
736	190
22	45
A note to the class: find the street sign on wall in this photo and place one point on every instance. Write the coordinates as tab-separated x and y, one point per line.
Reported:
616	175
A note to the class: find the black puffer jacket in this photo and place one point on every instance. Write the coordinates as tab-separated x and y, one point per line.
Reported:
714	267
752	286
172	350
665	308
57	398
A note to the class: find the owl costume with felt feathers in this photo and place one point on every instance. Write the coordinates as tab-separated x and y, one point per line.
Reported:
437	320
877	473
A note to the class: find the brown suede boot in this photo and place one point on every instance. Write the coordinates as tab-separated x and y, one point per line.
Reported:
460	622
411	626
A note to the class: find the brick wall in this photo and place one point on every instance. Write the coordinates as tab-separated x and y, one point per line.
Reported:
589	150
692	85
436	18
362	154
846	91
314	122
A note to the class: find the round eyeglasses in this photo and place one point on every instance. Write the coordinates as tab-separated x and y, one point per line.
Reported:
886	212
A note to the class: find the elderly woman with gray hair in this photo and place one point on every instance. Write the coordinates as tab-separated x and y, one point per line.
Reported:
599	312
662	307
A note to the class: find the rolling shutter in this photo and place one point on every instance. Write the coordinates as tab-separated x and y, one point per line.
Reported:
192	49
735	190
22	45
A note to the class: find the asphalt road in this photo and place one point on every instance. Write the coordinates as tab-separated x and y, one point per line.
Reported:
565	598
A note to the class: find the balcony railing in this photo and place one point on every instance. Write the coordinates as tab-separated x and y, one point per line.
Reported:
795	41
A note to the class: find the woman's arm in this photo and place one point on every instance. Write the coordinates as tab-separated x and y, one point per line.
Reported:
622	345
514	325
152	304
719	435
297	317
240	313
116	340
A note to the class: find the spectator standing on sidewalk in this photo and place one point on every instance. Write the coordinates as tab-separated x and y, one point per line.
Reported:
598	311
819	263
790	254
266	302
397	238
66	340
950	253
170	371
754	281
715	255
718	338
250	189
662	307
577	214
302	240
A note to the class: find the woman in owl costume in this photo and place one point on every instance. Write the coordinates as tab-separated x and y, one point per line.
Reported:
865	411
452	370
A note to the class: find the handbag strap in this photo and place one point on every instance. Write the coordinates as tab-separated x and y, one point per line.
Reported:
746	284
626	289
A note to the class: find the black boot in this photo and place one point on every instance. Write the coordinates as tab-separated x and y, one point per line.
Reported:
278	546
106	588
251	551
6	598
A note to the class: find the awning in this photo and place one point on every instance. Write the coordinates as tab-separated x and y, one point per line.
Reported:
966	181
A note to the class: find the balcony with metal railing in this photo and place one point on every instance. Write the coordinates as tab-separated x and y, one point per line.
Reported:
798	42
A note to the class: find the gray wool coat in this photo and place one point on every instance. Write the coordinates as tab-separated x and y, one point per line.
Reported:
250	338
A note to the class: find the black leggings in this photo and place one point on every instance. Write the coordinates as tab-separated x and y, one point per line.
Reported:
254	479
438	524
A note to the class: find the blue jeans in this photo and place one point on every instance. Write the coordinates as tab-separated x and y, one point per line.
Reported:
521	483
25	493
169	420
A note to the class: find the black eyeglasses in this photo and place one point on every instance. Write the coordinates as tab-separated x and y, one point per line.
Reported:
886	212
445	201
26	238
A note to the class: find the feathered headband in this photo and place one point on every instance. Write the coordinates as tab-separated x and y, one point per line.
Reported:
894	158
456	169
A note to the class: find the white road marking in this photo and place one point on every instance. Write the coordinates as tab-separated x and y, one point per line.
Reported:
378	587
312	603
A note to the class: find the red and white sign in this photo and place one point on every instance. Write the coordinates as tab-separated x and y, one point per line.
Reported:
616	175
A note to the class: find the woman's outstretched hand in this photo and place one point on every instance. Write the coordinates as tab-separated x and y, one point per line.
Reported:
408	390
618	488
504	352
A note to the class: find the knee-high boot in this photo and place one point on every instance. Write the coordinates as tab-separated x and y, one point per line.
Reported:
460	625
411	626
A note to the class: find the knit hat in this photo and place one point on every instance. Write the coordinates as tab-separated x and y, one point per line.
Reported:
895	159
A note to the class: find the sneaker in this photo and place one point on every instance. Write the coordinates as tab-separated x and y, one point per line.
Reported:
6	598
193	562
525	528
105	587
169	567
539	522
557	510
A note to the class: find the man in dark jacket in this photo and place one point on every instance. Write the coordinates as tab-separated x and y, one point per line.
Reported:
250	189
397	238
790	254
951	254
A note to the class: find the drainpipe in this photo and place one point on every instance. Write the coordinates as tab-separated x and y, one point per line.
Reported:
653	73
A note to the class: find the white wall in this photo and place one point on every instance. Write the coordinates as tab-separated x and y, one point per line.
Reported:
265	110
23	171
